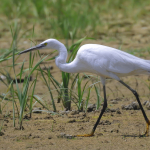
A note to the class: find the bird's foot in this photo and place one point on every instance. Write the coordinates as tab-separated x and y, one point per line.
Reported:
86	135
147	128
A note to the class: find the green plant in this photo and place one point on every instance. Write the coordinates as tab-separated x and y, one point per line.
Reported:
63	89
81	91
48	86
22	93
97	90
68	20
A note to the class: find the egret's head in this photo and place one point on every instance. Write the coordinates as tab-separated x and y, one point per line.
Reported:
50	43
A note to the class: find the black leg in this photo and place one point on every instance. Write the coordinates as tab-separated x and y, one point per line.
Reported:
98	120
103	110
137	97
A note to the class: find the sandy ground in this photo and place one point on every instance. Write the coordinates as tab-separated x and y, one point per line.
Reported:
116	131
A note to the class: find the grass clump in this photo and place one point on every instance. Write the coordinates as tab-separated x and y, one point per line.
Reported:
73	19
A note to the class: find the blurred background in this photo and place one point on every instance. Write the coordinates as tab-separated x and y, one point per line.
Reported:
123	21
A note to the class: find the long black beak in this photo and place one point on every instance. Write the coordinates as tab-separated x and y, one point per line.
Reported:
32	48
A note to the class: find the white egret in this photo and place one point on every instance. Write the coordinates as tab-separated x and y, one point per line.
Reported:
102	60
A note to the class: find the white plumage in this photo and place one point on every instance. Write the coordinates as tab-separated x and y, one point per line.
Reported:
102	60
110	62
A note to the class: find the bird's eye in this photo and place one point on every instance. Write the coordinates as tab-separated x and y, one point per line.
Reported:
45	44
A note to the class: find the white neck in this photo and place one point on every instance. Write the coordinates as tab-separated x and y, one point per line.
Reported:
61	60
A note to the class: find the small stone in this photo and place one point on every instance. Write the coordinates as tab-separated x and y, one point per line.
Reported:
148	106
113	110
123	106
146	102
37	110
132	106
91	107
1	133
135	105
49	137
118	112
71	121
